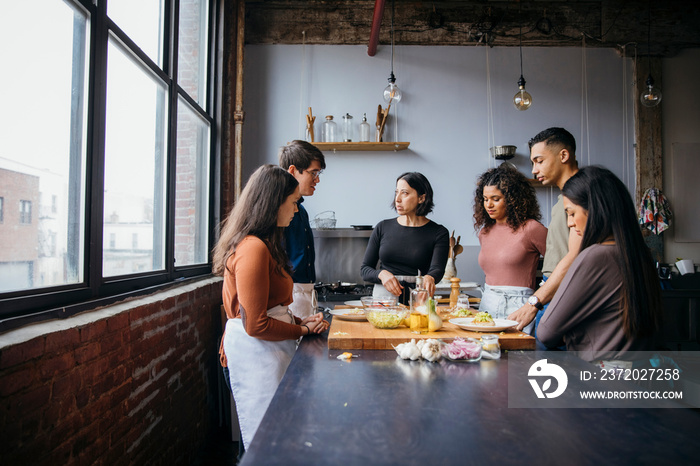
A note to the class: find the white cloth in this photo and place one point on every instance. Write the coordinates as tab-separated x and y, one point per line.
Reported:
501	301
378	291
304	300
256	368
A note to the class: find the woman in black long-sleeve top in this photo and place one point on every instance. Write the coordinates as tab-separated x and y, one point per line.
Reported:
407	244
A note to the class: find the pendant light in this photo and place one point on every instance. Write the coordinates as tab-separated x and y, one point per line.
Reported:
522	99
392	93
651	96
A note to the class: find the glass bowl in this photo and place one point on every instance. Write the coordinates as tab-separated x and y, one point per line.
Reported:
463	350
386	317
384	301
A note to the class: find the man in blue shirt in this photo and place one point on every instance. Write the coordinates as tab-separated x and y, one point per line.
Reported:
306	163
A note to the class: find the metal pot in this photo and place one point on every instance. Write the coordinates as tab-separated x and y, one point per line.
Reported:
503	152
337	287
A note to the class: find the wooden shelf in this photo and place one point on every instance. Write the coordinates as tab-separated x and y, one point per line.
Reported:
361	146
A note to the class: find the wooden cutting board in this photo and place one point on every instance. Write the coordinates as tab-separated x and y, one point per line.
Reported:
345	334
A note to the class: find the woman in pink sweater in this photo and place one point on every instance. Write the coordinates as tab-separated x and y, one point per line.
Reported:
506	216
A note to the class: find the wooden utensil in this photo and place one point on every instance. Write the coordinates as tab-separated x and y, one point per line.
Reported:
457	248
310	119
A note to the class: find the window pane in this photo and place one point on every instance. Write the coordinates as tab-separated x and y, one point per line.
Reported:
193	47
144	28
192	187
42	155
134	191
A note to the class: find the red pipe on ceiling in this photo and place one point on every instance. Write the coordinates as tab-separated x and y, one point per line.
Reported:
376	24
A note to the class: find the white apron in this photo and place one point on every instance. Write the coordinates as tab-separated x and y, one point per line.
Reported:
256	368
304	300
501	301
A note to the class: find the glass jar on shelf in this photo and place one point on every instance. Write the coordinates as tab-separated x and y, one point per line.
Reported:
329	130
364	129
347	128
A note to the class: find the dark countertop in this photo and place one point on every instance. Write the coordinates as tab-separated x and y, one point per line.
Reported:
377	409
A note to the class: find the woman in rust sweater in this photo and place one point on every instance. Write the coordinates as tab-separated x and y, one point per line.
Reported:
261	333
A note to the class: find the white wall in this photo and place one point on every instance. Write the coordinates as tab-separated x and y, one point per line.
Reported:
681	121
443	115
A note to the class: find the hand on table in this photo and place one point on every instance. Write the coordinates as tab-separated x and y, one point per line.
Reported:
316	323
524	315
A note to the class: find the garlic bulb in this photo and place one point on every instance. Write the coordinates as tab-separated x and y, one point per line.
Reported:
431	350
408	350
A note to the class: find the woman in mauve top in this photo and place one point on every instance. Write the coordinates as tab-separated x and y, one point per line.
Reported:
506	215
261	333
609	302
407	245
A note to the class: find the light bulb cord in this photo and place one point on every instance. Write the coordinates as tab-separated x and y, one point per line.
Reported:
649	36
520	18
392	38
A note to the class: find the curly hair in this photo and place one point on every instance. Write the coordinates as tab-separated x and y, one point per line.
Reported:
521	201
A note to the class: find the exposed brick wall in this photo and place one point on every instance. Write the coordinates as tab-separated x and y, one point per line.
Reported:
133	383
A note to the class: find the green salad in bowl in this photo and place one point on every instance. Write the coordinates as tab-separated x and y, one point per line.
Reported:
386	317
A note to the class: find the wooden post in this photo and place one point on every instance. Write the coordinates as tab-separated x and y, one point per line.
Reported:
647	131
239	115
232	105
649	146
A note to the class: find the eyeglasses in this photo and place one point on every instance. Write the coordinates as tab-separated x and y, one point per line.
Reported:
315	174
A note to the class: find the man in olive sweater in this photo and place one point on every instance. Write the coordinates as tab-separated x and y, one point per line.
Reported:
553	156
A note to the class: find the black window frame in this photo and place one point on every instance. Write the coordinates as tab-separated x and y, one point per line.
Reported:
32	305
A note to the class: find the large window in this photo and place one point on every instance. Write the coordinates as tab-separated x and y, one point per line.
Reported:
105	161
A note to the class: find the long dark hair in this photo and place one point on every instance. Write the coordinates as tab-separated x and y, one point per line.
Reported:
420	183
518	193
255	214
611	213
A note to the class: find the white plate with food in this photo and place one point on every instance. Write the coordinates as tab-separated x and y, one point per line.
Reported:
355	314
355	303
467	323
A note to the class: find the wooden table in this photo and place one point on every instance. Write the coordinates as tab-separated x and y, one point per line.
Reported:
380	410
345	334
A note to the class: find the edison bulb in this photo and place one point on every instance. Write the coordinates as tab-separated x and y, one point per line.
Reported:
522	99
392	93
651	97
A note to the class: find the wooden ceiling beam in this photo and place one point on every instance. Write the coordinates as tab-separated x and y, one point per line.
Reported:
555	23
